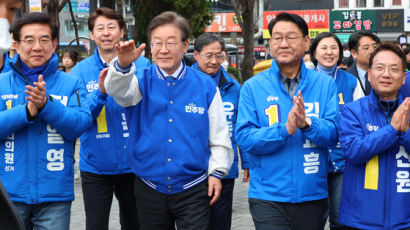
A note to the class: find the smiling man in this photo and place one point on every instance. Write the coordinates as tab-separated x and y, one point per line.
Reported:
104	166
376	188
208	55
43	110
287	119
179	144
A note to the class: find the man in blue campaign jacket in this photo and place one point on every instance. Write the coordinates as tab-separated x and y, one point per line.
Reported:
179	138
208	54
405	89
287	119
43	110
104	166
375	138
6	63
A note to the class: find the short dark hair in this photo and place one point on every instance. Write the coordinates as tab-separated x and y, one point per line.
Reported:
206	39
170	17
72	53
356	36
108	13
392	48
286	17
33	18
315	43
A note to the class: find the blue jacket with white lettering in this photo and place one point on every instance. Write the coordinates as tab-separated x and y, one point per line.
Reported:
287	168
346	84
170	131
37	156
103	146
376	182
230	89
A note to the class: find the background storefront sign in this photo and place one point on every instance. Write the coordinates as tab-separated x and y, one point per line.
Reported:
224	22
344	38
35	5
406	20
352	20
390	20
317	20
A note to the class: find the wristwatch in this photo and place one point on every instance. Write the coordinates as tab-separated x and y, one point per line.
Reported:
308	123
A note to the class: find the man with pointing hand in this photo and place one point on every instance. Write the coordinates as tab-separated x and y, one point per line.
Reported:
179	144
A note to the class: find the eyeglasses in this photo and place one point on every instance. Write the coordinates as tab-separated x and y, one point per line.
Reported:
210	56
276	40
393	70
42	41
155	46
366	47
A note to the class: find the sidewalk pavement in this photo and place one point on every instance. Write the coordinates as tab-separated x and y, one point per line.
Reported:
241	218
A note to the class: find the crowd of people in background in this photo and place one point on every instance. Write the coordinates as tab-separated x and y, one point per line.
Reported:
322	135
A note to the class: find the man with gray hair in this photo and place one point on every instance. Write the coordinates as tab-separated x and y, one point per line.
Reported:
208	55
179	144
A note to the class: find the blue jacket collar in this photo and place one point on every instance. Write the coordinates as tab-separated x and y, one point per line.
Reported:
373	100
303	73
98	60
49	71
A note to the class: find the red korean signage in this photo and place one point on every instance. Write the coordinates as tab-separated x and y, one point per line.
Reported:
317	20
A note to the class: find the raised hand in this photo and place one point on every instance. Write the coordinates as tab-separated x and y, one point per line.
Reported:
300	110
404	124
32	109
101	79
291	125
128	52
37	93
400	118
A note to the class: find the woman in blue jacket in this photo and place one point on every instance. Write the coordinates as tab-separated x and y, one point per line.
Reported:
326	54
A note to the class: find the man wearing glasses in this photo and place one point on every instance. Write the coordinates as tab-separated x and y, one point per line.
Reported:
209	56
286	121
374	133
43	110
179	144
361	45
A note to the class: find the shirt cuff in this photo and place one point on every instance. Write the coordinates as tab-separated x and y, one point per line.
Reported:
120	69
217	174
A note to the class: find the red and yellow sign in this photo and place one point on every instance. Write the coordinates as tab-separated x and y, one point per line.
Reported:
224	22
317	20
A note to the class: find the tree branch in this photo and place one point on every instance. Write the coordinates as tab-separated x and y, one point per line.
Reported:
61	5
236	7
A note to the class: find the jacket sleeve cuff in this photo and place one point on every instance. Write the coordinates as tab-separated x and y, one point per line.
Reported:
101	96
404	137
120	69
29	117
217	174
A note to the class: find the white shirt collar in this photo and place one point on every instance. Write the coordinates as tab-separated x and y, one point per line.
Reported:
174	74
